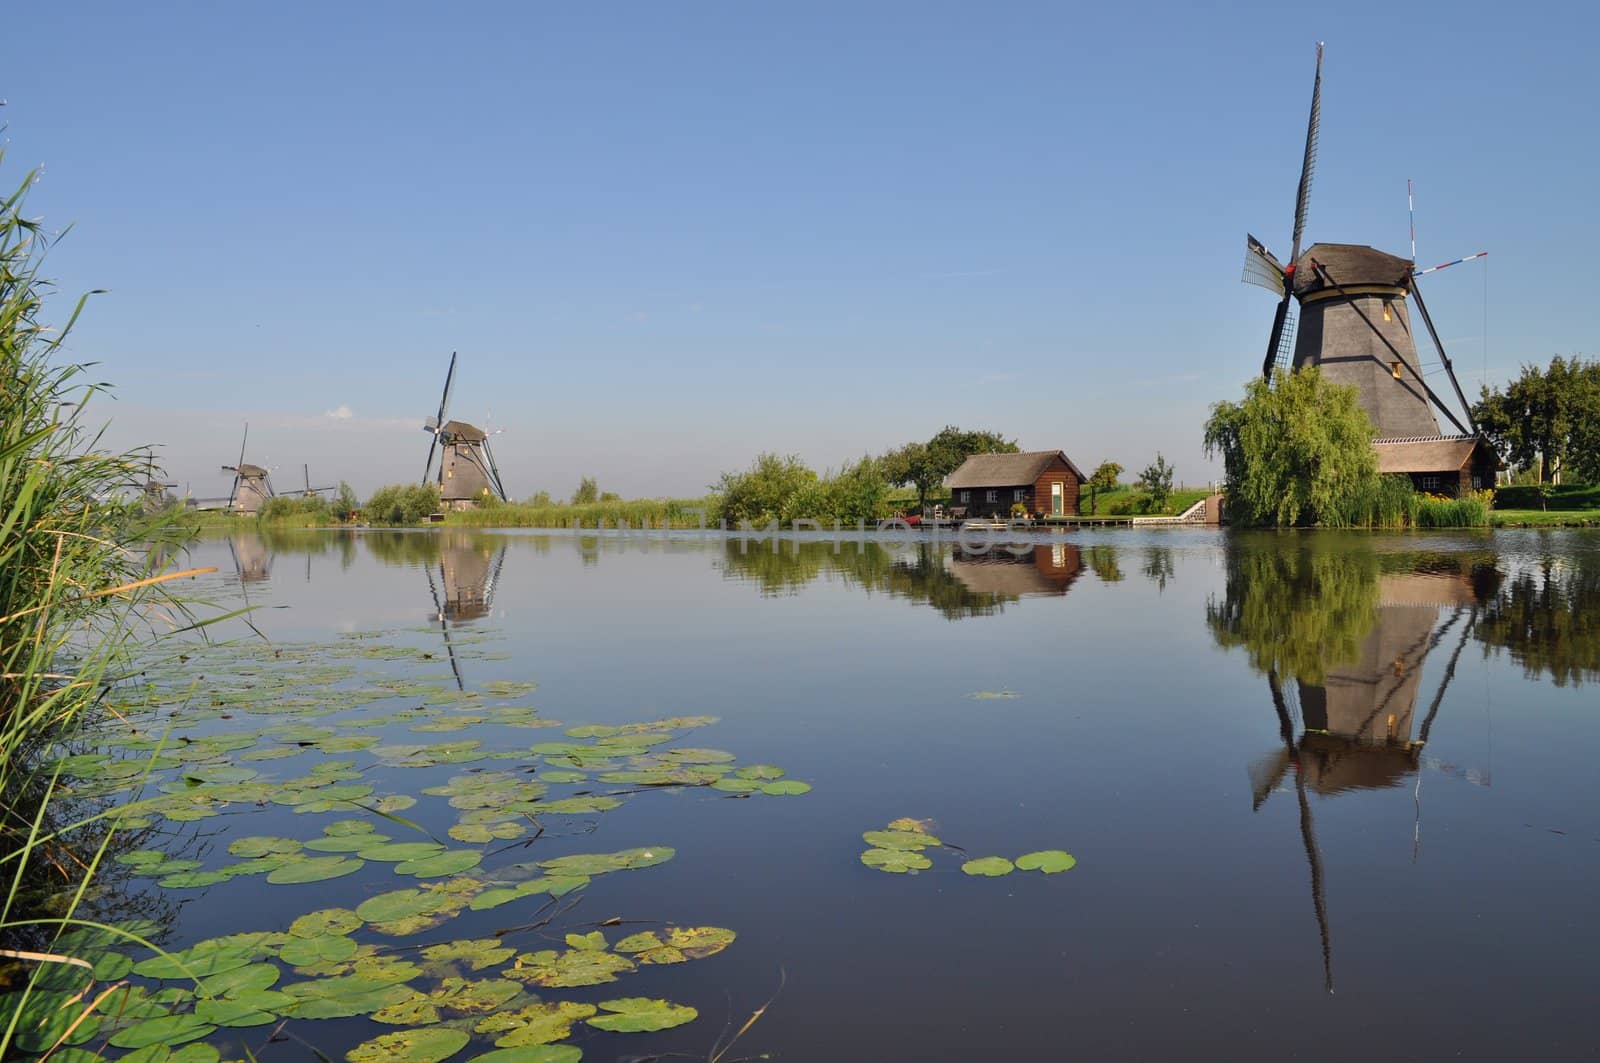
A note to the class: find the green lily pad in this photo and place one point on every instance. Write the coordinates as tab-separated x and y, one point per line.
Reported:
192	879
399	852
1050	861
576	967
572	806
536	1024
637	1014
786	788
234	1013
344	828
316	869
600	863
198	961
531	1054
475	954
263	845
241	980
166	1030
895	861
676	944
352	843
325	921
450	862
988	866
308	952
899	839
426	1045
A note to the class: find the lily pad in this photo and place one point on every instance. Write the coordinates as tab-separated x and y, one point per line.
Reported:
637	1014
450	862
399	852
676	944
426	1045
325	921
910	840
786	788
308	952
1050	861
988	866
316	869
895	861
531	1054
576	967
475	954
536	1024
165	1030
600	863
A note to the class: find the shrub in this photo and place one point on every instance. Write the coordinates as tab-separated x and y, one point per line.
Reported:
301	510
1471	510
402	504
588	491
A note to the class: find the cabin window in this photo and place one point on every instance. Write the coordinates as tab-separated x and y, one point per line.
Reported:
1430	483
1018	495
1386	315
966	496
1394	367
992	496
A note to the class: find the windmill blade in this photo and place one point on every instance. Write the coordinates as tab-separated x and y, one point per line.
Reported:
1447	265
493	470
1260	267
1307	164
233	492
1449	368
438	421
1280	342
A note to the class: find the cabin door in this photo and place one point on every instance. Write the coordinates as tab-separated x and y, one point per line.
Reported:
1056	507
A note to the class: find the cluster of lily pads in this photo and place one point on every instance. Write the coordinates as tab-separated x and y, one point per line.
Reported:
182	756
900	849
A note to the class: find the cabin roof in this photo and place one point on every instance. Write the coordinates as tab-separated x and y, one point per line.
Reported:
462	432
1007	470
1350	264
1425	455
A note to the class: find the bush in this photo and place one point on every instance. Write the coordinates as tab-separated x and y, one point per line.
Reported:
765	491
1471	510
588	492
300	510
402	504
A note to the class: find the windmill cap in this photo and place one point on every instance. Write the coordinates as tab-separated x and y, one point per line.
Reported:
461	431
1350	264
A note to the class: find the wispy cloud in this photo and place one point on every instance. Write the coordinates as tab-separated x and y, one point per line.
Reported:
340	413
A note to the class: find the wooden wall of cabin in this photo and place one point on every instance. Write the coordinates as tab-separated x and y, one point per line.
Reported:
1058	472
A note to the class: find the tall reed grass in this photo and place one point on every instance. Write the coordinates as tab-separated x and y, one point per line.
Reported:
82	575
637	513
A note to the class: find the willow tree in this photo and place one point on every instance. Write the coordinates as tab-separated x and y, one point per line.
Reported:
1296	450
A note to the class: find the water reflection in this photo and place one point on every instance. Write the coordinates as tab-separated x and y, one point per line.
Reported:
1341	635
1547	618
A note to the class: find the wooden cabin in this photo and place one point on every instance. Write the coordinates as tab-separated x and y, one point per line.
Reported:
1044	482
1440	465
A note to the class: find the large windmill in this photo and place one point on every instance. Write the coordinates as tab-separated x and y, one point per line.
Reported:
252	484
1354	324
467	472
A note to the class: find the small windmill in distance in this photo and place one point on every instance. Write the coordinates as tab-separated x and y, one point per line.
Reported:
153	494
308	491
252	485
467	474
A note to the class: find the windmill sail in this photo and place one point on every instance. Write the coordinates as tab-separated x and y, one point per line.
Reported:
1280	342
435	424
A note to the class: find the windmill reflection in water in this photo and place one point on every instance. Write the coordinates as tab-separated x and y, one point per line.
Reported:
1355	728
468	573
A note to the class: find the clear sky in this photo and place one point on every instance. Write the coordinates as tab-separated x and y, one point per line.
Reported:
667	236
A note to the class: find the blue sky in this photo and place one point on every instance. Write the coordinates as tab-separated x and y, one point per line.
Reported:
665	237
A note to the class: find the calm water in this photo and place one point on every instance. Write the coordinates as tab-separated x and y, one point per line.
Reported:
1222	728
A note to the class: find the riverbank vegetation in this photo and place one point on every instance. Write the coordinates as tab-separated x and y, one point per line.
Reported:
82	576
1297	452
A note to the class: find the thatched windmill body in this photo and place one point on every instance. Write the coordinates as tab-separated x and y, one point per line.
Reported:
1355	325
467	473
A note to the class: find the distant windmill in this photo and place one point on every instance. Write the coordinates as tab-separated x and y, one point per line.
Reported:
467	471
1354	325
308	491
252	485
154	492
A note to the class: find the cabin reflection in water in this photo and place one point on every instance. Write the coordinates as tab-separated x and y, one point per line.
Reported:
1011	572
1356	726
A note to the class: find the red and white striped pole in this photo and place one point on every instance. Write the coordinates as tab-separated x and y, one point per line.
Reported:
1447	265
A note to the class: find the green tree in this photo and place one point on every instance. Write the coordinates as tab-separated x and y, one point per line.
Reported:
925	465
1104	478
1157	482
763	492
1546	416
1297	450
588	491
345	504
540	499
